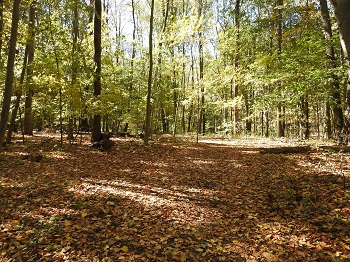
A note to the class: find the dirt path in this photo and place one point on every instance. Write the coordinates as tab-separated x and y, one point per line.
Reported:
210	201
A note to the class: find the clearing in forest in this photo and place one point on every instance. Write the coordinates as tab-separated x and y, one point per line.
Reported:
172	201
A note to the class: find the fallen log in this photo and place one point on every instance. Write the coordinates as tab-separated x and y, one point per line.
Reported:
345	149
303	149
286	150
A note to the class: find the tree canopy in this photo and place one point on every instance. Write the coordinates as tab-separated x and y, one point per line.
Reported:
229	68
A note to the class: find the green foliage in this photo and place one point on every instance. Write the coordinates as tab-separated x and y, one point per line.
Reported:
246	57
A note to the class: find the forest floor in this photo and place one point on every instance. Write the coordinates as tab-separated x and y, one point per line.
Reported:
218	200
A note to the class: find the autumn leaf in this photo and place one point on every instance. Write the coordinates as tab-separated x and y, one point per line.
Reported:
84	213
124	249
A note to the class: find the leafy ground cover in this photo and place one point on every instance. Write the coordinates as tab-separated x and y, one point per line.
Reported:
172	201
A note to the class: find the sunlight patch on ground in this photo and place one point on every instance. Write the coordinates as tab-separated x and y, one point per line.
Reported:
13	154
154	164
174	191
250	152
59	155
285	235
6	182
192	148
326	163
195	191
203	162
254	142
53	211
126	170
178	206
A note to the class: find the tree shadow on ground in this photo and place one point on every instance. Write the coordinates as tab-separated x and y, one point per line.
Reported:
171	202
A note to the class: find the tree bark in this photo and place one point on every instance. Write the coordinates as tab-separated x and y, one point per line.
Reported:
1	23
28	114
248	126
75	65
150	78
286	150
280	116
202	117
96	125
18	98
9	71
332	64
342	14
305	117
303	149
236	62
133	55
328	121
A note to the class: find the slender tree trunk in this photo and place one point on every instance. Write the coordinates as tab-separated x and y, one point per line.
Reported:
190	114
158	69
58	76
164	120
332	64
1	23
247	108
183	83
75	65
236	63
341	8
176	97
305	117
133	55
18	97
183	88
267	119
328	120
183	120
280	116
262	123
5	111
202	116
96	125
150	77
28	114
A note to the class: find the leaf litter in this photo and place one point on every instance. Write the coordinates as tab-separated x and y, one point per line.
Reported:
178	201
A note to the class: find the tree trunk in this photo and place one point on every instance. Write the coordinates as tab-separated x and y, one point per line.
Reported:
18	98
176	98
202	121
1	23
164	120
190	114
75	65
183	121
341	8
150	77
280	115
28	114
9	71
262	123
332	64
236	62
305	117
248	124
96	124
328	120
133	55
267	130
